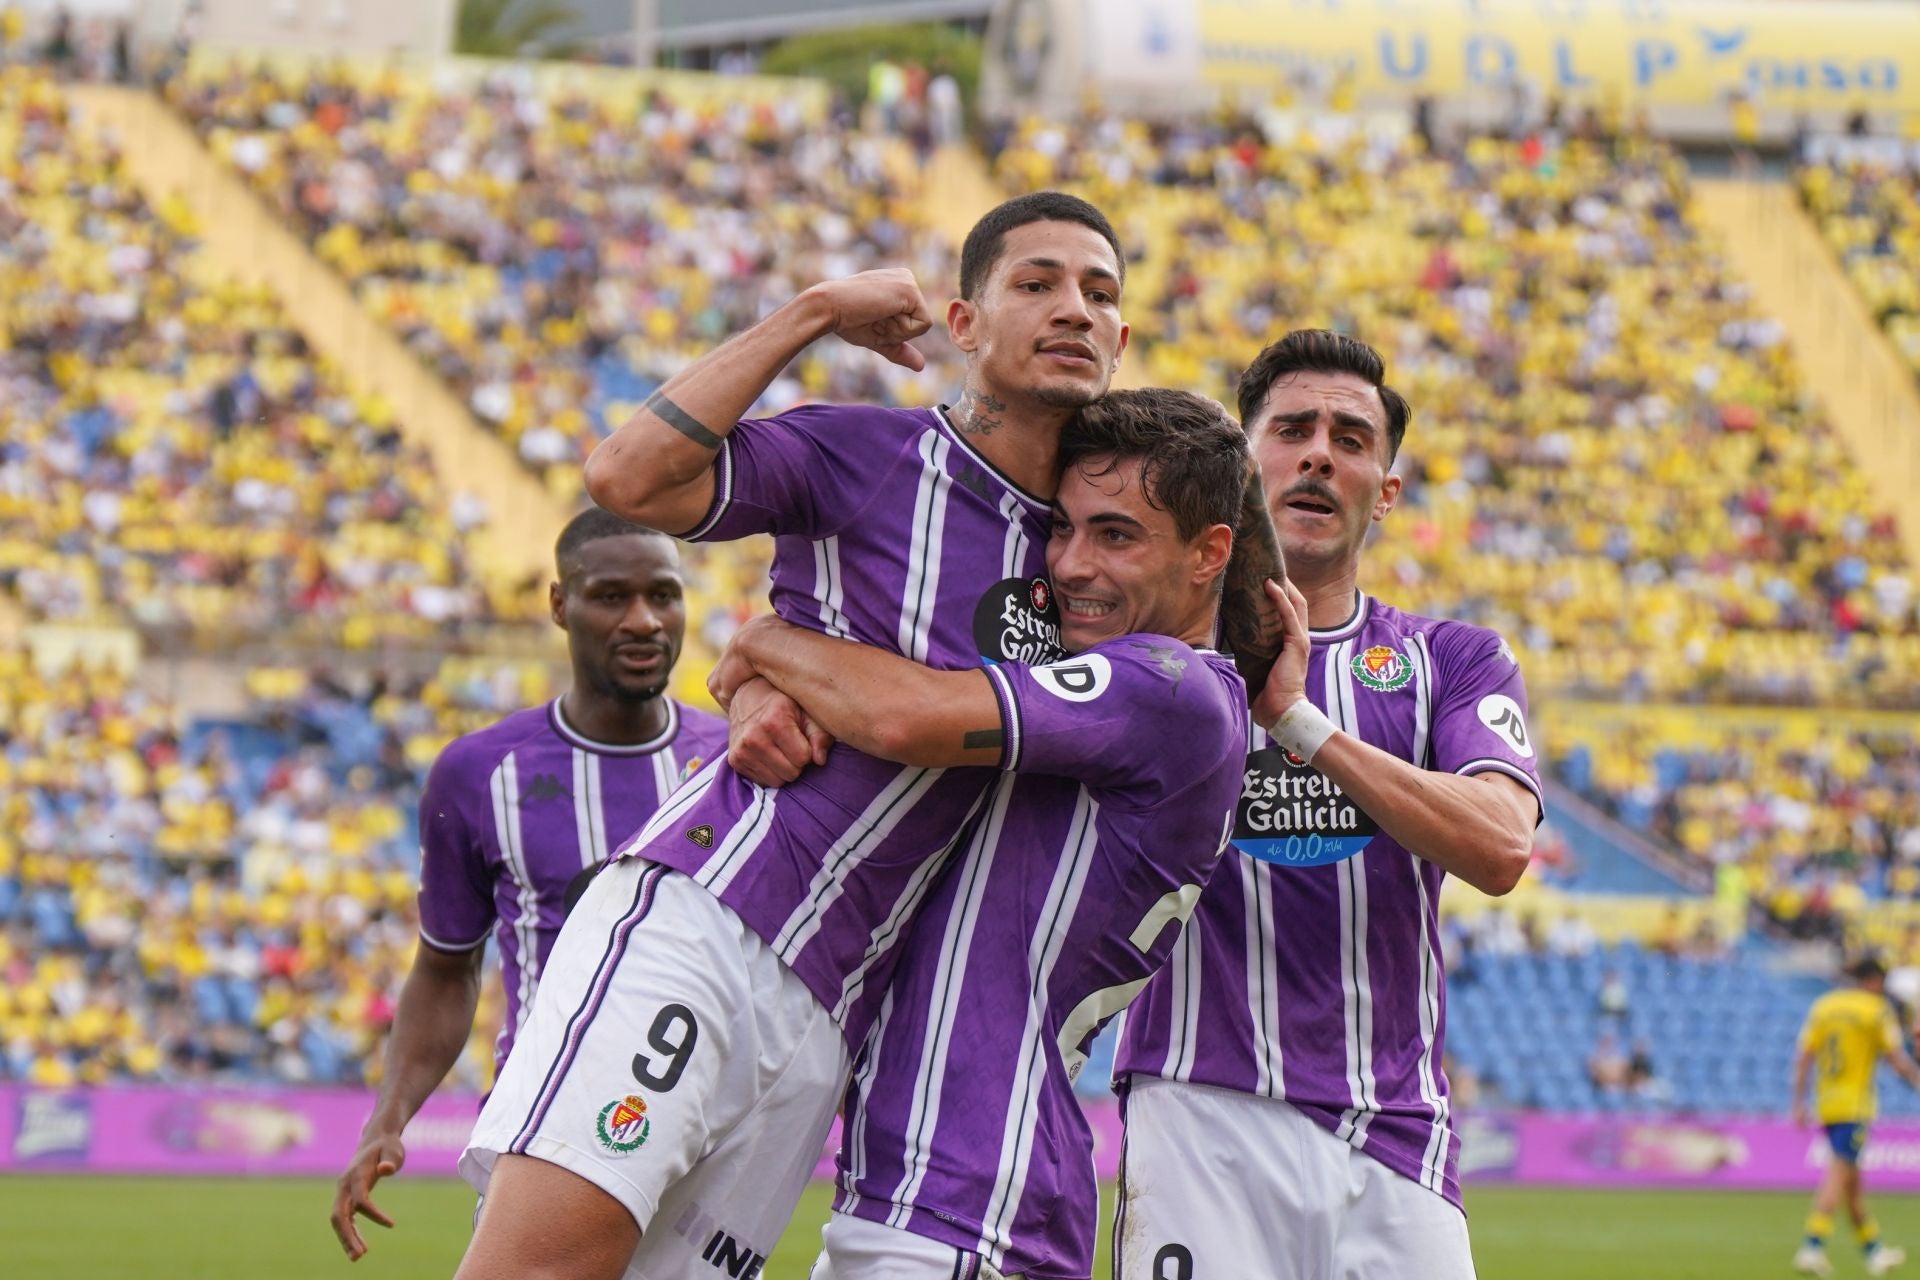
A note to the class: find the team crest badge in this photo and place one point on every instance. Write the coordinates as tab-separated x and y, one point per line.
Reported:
623	1125
1382	668
701	835
693	766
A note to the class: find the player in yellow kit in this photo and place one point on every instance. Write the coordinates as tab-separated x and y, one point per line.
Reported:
1848	1031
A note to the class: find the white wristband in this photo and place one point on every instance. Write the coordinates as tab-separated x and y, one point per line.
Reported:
1302	729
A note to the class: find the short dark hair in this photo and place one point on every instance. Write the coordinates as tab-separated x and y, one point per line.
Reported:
1867	967
1323	351
984	242
1194	461
592	525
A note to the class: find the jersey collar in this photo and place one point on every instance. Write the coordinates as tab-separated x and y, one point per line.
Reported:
954	434
558	719
1362	606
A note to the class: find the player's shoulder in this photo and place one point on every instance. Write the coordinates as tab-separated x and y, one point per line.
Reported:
870	421
1161	669
700	732
470	759
1449	640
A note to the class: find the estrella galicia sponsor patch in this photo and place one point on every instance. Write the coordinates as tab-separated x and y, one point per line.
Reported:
1293	815
1018	620
1503	715
701	835
1382	667
1077	679
623	1126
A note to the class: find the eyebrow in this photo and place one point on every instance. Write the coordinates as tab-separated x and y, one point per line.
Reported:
1115	517
1054	264
1341	417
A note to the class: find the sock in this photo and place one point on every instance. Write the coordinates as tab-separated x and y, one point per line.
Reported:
1869	1233
1819	1227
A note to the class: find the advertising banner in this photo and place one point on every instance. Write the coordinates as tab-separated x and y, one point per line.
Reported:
1830	56
313	1132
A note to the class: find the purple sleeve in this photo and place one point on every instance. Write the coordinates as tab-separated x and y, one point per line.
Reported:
1135	712
807	472
456	886
1480	708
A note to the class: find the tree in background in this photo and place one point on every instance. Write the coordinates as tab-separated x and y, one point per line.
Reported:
513	28
844	58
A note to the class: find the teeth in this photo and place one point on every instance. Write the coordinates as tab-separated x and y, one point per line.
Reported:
1091	608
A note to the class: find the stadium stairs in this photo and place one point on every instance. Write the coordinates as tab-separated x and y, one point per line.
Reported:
1871	398
242	236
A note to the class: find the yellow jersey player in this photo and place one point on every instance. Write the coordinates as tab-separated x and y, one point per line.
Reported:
1847	1032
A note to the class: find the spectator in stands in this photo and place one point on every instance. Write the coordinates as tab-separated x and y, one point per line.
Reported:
1613	1000
1608	1068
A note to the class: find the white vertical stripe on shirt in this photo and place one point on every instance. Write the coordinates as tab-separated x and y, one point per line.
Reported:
505	786
583	809
1043	952
956	947
829	587
923	555
1356	979
863	837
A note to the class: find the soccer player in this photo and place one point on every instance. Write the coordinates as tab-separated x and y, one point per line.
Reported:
514	814
964	1149
687	1051
1846	1034
1286	1111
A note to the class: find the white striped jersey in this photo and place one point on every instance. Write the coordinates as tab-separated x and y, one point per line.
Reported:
889	529
1312	970
961	1124
513	813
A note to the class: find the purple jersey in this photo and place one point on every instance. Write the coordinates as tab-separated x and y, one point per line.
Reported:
888	529
1312	973
513	813
1070	892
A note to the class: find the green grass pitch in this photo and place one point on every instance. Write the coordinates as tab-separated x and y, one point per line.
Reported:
231	1229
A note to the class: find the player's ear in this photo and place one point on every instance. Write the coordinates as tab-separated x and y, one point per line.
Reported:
1389	495
557	604
961	315
1215	547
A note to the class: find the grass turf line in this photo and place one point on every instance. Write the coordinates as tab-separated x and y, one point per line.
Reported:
242	1229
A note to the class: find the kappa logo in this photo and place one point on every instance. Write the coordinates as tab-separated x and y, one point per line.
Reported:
1080	679
1171	664
701	835
1382	668
545	786
1503	715
623	1126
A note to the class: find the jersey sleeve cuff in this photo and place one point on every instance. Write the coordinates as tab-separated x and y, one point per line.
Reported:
1009	717
722	493
1490	765
454	948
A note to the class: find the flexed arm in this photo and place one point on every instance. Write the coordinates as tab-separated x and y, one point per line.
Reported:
657	469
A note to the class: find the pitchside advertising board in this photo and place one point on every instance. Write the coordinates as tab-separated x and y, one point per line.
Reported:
313	1133
1832	56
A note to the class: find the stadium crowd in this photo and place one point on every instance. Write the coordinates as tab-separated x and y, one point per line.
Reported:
171	452
555	256
1865	194
219	902
1820	817
1612	461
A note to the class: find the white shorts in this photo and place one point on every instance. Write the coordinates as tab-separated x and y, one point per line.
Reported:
1216	1184
856	1249
671	1060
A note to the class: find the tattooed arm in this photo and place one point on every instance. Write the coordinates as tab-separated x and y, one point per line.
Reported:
657	469
877	702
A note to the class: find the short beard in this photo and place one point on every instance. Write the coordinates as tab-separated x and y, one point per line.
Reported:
1068	397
